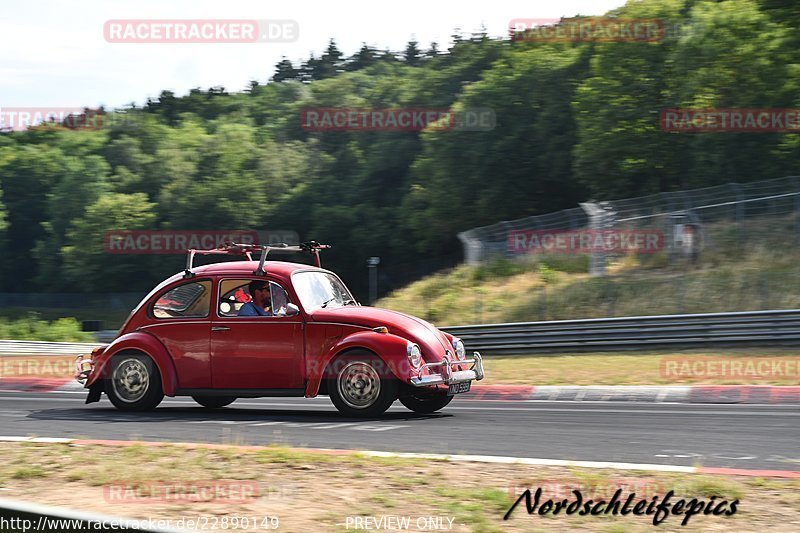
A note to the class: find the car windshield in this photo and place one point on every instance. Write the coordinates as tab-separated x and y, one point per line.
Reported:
320	289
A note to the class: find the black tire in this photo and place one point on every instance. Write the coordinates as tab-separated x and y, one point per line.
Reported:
214	402
135	382
360	385
426	404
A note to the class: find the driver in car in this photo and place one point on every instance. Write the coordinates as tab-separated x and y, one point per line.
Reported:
259	305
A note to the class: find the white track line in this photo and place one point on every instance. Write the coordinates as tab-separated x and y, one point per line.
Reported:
494	459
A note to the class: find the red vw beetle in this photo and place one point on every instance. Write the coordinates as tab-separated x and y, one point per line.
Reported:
190	337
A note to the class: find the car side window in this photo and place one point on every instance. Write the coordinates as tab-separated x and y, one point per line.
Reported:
189	300
234	294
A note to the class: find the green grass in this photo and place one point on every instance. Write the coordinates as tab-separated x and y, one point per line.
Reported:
641	368
559	288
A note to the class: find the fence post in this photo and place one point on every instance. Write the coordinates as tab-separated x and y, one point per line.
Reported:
543	303
739	213
611	293
796	207
680	291
597	260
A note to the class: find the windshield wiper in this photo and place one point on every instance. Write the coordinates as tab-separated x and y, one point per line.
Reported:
346	302
326	302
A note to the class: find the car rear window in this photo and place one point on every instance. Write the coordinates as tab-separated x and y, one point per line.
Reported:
190	300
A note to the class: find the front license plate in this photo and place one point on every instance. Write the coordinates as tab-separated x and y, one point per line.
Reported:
458	388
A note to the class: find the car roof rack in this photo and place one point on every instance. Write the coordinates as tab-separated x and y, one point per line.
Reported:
247	250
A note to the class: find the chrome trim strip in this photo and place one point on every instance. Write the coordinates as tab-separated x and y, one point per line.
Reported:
345	324
203	320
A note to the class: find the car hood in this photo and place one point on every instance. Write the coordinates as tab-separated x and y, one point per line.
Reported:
431	340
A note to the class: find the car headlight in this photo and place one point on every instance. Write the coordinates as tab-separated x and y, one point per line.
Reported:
414	355
458	346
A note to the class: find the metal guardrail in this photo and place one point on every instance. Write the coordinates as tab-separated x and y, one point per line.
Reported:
764	328
10	347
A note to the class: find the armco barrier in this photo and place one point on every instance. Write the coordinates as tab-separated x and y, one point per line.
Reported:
10	347
763	328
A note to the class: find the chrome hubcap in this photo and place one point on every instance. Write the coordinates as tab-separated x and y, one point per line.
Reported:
359	384
131	380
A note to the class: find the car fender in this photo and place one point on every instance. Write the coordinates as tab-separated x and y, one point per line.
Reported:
390	348
141	342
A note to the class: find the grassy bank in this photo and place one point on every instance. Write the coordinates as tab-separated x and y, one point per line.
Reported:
691	367
311	491
559	288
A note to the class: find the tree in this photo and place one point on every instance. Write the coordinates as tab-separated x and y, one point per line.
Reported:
285	70
87	264
311	70
412	54
330	63
364	58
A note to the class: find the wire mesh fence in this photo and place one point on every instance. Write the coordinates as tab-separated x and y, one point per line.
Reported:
713	218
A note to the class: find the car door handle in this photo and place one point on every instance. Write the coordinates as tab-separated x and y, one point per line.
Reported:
220	328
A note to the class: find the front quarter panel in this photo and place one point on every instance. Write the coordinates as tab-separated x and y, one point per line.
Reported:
390	348
141	342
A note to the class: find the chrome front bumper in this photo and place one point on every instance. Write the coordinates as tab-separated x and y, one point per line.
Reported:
83	367
446	375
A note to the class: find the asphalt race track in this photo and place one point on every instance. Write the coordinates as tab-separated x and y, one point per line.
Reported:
732	436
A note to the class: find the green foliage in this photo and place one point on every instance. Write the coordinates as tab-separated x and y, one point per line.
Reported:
573	121
34	329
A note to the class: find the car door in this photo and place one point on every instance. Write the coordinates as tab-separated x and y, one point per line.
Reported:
255	352
181	323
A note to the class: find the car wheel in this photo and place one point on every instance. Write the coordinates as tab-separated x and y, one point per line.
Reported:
361	386
426	403
214	402
135	383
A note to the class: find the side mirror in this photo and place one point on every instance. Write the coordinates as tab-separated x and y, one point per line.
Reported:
292	310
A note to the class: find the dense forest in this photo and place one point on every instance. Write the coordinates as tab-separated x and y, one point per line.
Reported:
574	120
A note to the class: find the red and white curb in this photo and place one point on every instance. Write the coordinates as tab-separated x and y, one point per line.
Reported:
712	394
486	459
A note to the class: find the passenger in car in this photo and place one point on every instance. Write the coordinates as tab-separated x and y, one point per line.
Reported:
260	305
